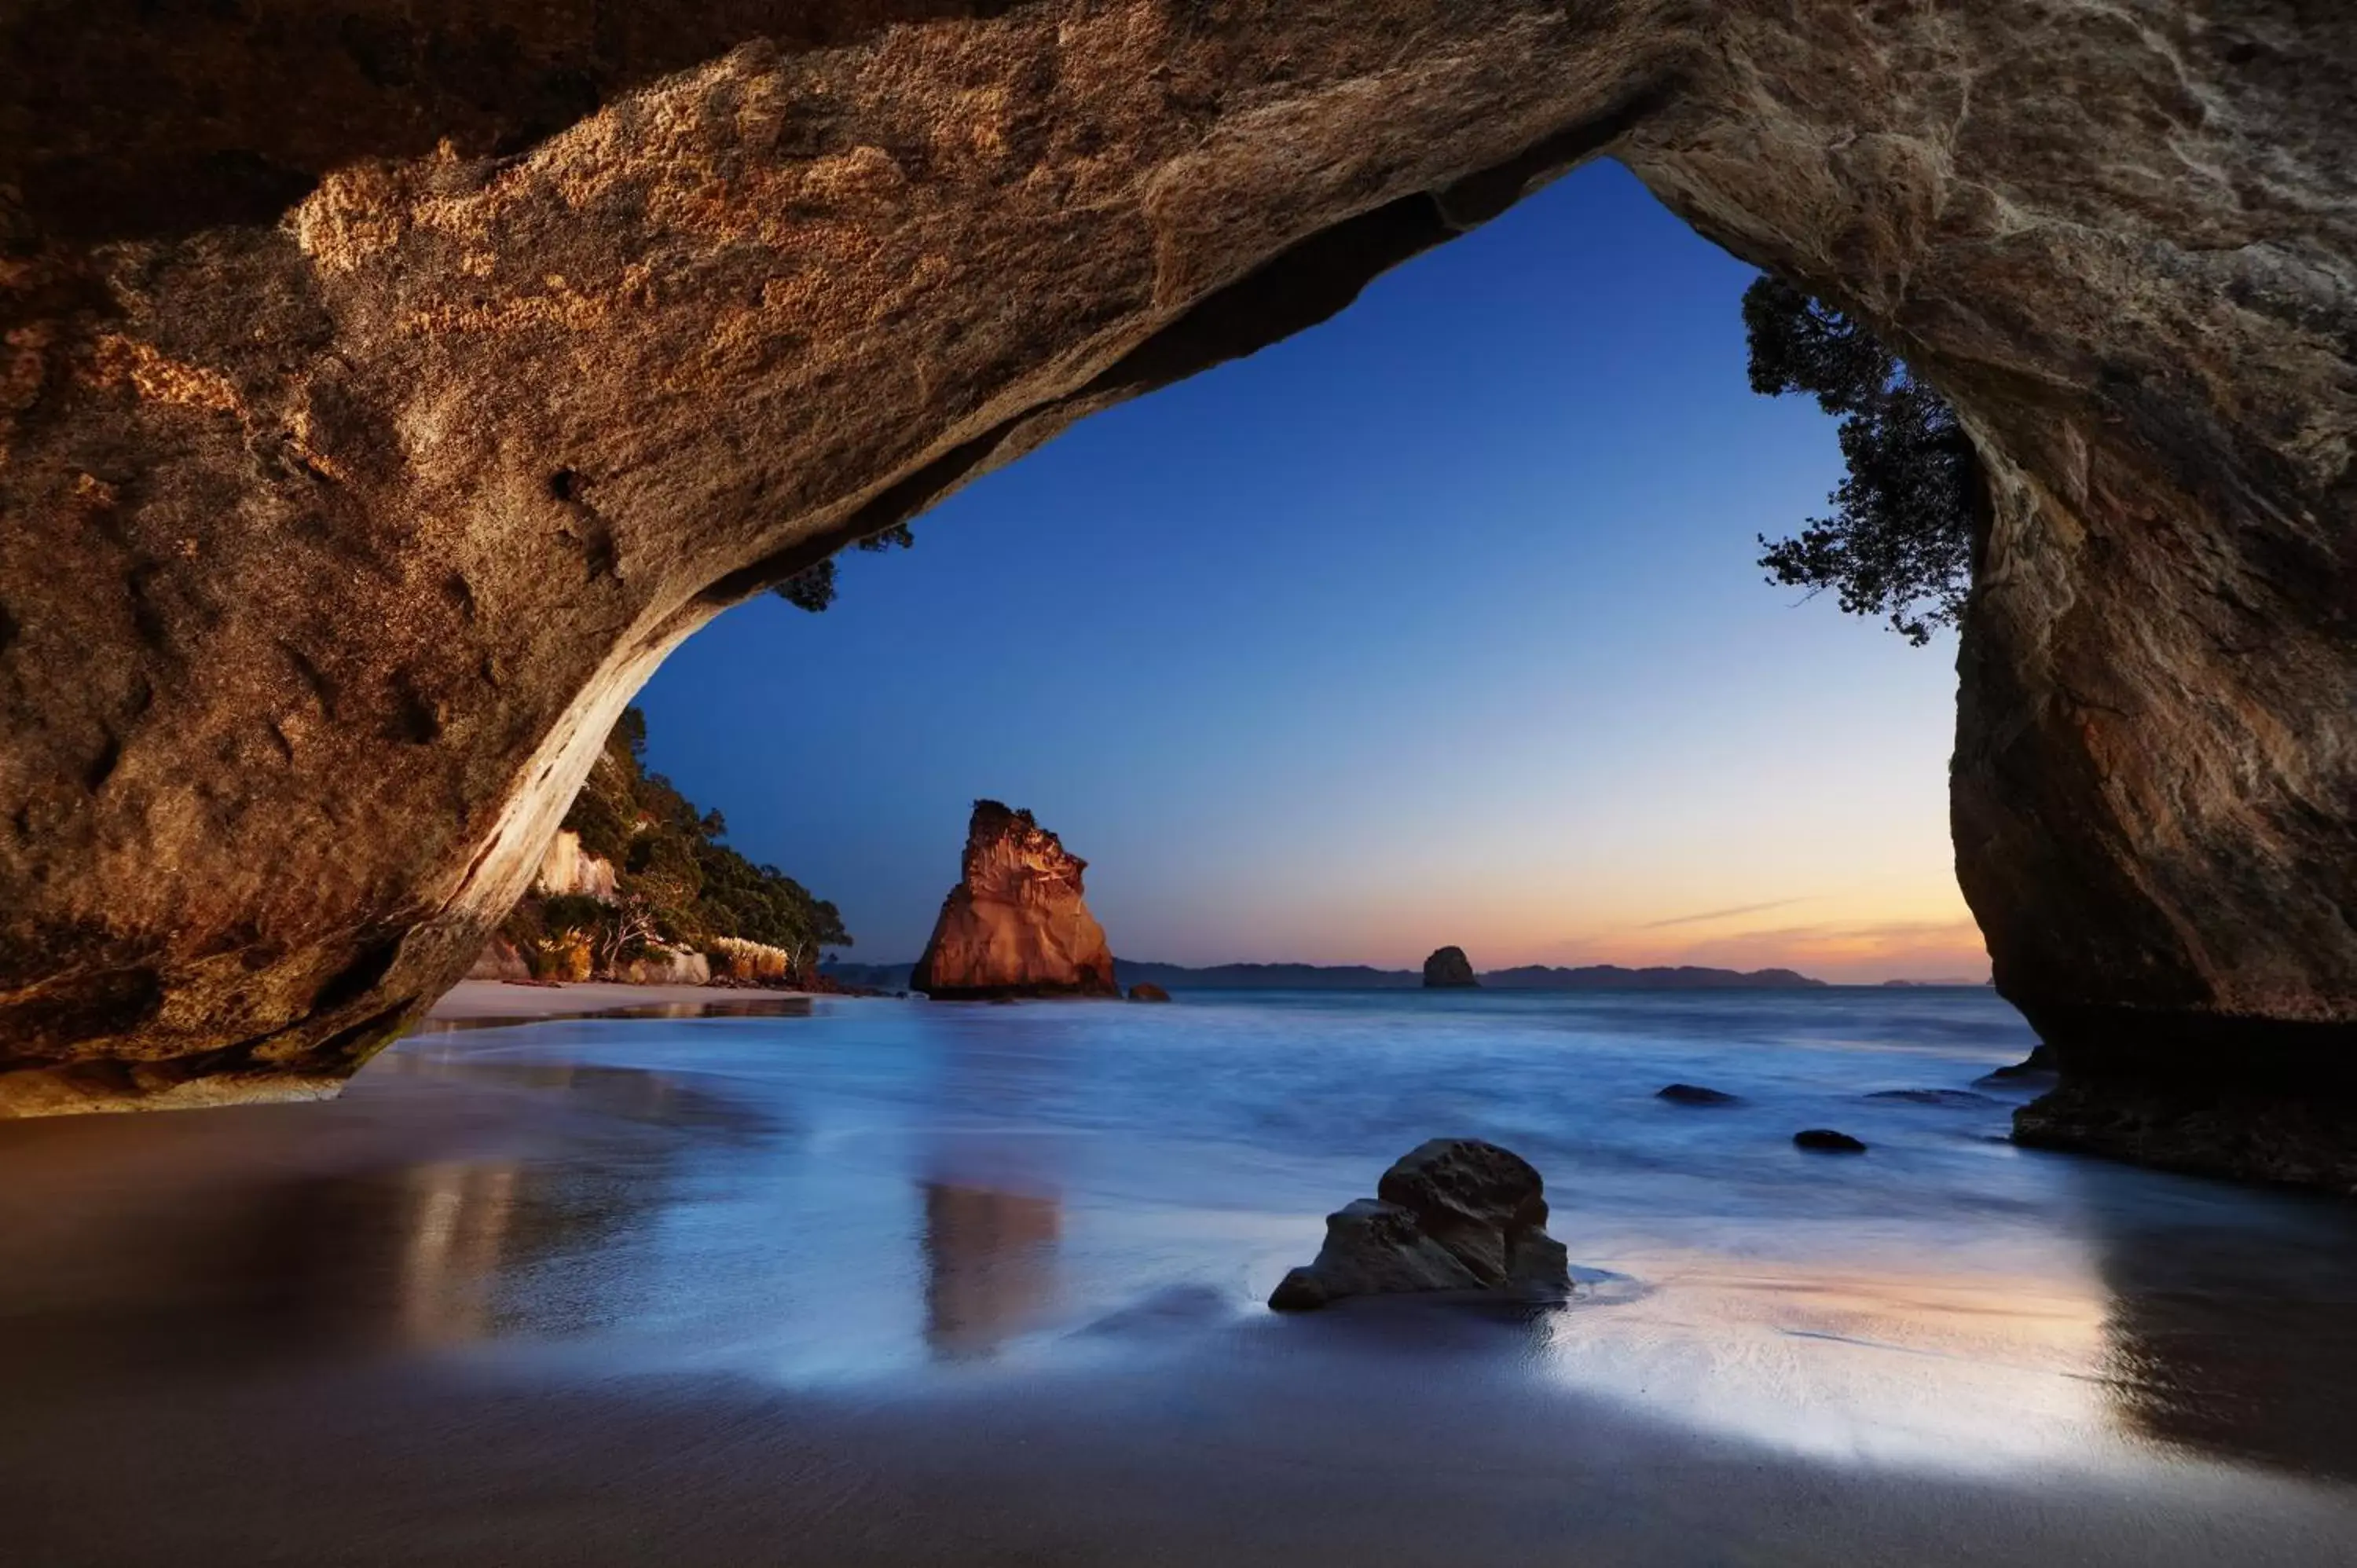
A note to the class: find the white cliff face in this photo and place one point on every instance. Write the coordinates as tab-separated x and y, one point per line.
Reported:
567	868
1016	925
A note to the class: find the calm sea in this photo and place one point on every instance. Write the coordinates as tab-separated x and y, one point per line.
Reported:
884	1194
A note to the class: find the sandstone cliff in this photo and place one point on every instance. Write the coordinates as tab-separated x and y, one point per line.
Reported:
385	394
1016	924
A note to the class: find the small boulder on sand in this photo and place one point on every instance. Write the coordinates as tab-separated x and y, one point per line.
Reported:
1455	1214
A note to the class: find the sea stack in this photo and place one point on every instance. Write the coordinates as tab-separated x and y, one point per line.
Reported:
1449	968
1016	924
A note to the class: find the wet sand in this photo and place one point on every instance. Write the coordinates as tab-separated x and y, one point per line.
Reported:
796	1290
1340	1440
480	1002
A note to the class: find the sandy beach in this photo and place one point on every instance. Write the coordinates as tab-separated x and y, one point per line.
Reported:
479	1002
884	1283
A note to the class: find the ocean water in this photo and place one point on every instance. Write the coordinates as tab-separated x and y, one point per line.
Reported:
882	1200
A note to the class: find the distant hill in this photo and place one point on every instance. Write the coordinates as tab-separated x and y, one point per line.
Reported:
1362	977
869	976
1613	977
1268	976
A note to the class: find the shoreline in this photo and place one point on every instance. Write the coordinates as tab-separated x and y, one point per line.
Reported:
486	1002
919	1287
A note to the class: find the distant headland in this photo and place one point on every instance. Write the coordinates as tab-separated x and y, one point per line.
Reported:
1364	977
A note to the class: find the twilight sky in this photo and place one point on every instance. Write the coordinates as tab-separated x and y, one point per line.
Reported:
1438	623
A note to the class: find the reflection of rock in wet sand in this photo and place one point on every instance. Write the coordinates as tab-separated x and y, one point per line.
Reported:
2212	1347
249	1240
989	1266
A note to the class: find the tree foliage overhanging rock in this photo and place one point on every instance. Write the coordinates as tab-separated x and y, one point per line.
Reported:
1900	543
814	587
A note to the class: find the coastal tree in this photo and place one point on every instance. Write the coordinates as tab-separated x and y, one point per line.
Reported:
677	882
1899	540
813	588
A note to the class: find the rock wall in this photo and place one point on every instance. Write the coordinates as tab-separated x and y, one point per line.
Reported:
566	868
1016	924
385	392
667	966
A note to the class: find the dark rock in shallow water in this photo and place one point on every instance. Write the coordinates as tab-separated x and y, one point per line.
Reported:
1695	1094
1146	990
2293	1140
1449	968
1455	1214
2036	1071
1826	1141
1961	1098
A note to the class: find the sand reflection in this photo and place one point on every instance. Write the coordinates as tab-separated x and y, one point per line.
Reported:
1957	1371
990	1265
2210	1346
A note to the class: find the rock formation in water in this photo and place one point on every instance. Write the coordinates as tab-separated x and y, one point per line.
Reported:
1016	924
1449	968
385	392
1695	1095
1146	990
1455	1214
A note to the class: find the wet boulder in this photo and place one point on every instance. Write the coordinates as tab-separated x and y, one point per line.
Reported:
1695	1095
1952	1099
1455	1214
1146	990
1826	1141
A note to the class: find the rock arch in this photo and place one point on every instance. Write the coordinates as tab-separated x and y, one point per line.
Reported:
387	390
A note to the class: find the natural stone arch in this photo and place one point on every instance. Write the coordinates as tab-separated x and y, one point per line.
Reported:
351	482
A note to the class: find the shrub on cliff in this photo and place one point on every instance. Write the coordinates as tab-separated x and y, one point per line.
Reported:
679	885
813	588
1899	542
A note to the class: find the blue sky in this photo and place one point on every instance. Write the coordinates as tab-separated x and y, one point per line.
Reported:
1437	623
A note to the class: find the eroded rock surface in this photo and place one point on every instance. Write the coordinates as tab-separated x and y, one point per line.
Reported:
1455	1214
1016	924
385	391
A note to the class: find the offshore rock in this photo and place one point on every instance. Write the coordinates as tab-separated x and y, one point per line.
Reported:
388	388
1455	1214
1449	968
1695	1095
1826	1141
1016	924
1146	990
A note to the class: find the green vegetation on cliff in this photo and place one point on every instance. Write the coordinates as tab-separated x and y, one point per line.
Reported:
676	884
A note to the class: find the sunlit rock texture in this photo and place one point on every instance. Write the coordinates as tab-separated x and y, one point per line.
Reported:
387	387
1016	924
